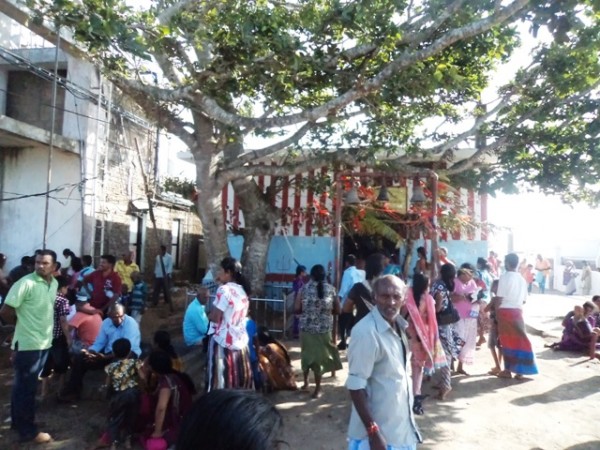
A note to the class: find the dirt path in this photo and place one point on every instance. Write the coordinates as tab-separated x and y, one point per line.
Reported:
555	410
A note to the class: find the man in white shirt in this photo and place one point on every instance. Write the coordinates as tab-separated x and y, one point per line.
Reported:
516	347
162	279
350	277
378	377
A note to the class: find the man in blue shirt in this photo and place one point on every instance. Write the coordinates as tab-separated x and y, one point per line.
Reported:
195	321
117	325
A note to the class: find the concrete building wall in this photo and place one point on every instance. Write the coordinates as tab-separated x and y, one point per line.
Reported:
30	100
24	172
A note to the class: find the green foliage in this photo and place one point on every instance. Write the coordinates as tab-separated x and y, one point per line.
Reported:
275	59
185	188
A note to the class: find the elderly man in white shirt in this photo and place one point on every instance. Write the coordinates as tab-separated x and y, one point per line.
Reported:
350	277
378	378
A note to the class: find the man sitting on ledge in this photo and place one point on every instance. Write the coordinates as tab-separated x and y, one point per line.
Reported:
117	325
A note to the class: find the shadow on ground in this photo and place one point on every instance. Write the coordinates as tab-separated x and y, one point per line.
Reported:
576	390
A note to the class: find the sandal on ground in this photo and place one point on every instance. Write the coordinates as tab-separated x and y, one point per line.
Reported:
504	374
519	377
462	372
494	371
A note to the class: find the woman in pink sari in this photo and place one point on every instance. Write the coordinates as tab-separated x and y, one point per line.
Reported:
427	351
465	301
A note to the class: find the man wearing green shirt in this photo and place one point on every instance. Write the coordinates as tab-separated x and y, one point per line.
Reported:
31	301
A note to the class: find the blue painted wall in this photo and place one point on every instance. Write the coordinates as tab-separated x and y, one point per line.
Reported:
458	251
285	256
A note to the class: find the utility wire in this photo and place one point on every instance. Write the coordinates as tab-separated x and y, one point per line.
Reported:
62	187
73	88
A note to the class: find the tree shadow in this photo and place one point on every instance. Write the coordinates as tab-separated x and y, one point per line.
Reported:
591	445
554	355
569	391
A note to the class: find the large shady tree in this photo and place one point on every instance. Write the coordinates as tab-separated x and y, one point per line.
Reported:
397	84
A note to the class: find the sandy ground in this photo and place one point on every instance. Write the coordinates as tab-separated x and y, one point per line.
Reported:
554	410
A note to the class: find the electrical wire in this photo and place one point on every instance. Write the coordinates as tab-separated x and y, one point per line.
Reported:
75	89
62	187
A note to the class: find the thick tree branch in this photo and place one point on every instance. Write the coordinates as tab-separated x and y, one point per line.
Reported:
407	58
165	118
257	155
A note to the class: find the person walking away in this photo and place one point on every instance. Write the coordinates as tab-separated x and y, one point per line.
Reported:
484	281
162	279
516	347
446	317
427	352
350	277
586	279
58	359
228	357
378	375
542	267
569	275
31	301
316	304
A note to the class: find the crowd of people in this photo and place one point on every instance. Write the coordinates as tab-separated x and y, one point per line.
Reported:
79	318
70	320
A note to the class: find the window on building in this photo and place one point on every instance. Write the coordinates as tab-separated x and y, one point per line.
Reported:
176	242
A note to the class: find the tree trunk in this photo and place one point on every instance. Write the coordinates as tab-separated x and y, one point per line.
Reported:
209	193
259	228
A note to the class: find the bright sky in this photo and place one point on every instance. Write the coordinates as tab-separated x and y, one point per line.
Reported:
541	223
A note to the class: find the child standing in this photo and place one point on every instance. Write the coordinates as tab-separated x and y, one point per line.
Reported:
122	383
253	351
58	357
529	277
139	293
493	340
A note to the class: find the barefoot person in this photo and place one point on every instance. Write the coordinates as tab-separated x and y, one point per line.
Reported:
441	292
427	351
378	375
516	348
316	304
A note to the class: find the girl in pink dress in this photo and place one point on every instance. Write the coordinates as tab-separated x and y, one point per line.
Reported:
464	298
425	345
